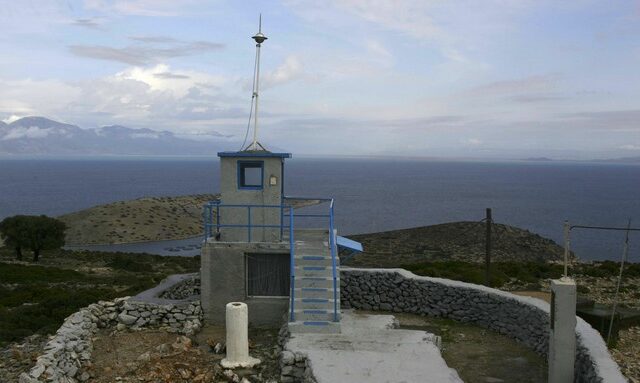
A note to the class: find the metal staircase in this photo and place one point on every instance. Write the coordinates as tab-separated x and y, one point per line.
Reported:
315	300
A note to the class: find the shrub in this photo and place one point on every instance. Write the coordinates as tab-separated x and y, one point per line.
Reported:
128	263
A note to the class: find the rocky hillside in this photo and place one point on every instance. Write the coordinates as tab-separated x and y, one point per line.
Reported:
143	219
452	241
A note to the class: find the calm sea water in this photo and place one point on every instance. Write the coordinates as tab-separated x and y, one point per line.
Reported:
371	194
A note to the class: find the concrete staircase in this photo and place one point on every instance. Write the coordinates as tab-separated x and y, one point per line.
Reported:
314	303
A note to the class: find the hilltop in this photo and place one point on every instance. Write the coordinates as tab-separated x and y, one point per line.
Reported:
143	219
461	241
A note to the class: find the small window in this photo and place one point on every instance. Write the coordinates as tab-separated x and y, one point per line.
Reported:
250	174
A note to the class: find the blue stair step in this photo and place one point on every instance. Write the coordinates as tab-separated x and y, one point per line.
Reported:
315	323
313	258
314	311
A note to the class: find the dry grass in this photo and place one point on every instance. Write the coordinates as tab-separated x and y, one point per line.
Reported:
143	219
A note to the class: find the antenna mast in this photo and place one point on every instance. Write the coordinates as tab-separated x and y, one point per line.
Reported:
259	39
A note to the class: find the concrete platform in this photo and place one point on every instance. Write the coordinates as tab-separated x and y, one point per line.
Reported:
370	349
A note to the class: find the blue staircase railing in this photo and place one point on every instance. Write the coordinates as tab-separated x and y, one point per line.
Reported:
210	225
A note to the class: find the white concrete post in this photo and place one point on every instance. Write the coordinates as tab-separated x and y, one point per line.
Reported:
562	332
237	337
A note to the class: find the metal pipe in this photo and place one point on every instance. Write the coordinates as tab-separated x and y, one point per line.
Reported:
625	252
292	269
333	263
567	243
249	221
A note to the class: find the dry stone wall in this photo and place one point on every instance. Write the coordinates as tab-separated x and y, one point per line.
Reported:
295	367
525	319
67	355
188	288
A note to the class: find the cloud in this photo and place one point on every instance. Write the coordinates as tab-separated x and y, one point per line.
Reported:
25	132
610	120
409	17
11	118
169	75
151	50
533	98
472	142
86	23
290	70
529	83
630	147
186	102
153	39
150	8
28	96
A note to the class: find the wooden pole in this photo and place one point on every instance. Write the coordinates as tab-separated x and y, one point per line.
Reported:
487	253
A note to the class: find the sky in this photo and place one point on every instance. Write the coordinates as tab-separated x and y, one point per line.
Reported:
430	78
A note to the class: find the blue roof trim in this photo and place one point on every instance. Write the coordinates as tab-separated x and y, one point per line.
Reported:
254	154
349	244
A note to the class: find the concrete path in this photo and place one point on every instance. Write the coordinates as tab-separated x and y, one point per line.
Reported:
370	350
152	295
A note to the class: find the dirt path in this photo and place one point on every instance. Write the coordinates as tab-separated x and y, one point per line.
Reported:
157	356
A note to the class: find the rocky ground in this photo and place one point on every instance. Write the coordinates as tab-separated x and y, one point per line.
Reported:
17	358
464	241
156	356
143	219
600	290
627	353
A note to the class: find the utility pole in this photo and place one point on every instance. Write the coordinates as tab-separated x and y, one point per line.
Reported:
487	252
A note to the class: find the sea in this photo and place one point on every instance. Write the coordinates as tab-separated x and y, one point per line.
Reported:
371	194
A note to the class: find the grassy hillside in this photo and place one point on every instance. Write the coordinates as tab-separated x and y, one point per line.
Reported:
36	298
455	241
143	219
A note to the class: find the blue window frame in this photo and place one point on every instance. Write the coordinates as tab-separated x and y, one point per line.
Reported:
251	175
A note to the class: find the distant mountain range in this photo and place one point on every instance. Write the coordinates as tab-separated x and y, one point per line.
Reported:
39	135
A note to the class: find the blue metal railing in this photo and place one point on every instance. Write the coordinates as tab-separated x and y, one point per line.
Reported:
209	226
292	268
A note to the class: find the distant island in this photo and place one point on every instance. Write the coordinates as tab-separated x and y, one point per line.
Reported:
42	136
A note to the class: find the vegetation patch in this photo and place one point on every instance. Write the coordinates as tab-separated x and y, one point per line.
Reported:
35	299
500	272
22	274
526	274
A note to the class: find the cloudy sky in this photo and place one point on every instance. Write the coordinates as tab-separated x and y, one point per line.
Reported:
493	78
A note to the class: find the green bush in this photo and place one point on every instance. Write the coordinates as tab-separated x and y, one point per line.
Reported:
14	273
129	264
38	309
500	272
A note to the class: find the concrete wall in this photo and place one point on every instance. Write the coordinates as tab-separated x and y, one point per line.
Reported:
223	280
523	318
269	195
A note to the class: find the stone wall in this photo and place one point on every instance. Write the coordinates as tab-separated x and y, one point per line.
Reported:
188	288
68	353
295	367
525	319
